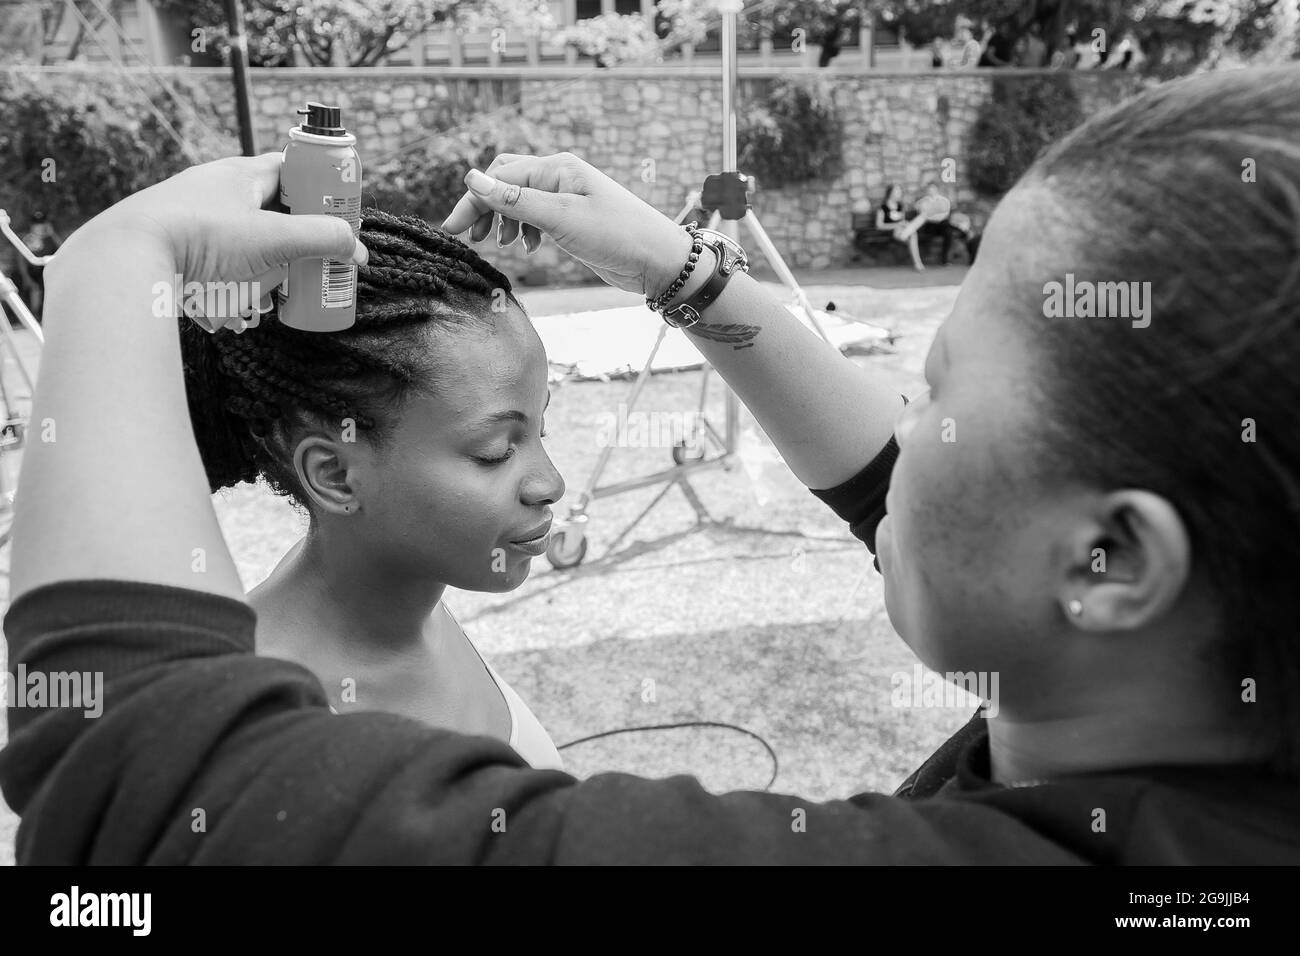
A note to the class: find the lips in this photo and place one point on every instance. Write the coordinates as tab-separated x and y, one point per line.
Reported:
534	542
528	537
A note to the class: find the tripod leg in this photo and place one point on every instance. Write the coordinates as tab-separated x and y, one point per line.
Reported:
588	492
782	270
9	292
10	297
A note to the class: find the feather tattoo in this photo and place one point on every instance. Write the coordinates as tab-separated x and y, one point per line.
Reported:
738	335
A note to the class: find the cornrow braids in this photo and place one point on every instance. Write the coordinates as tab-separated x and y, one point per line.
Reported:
247	391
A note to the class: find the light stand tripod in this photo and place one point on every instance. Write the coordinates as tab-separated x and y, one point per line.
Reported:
13	425
568	543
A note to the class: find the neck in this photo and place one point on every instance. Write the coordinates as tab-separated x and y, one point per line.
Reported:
338	592
1115	739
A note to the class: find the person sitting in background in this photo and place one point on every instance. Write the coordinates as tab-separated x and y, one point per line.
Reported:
939	219
1018	51
891	217
1124	56
1084	55
1032	49
1068	55
42	240
971	49
997	47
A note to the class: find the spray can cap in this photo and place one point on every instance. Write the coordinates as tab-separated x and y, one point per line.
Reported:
322	120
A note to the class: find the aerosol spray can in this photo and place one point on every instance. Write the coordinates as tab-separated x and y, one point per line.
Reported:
321	175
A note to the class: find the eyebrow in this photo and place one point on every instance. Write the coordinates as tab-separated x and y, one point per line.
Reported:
513	415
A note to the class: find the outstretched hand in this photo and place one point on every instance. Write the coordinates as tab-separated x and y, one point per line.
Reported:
623	239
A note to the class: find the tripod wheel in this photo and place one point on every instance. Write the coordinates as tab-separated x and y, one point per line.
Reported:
566	549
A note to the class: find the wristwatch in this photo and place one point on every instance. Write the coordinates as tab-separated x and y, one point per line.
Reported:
731	259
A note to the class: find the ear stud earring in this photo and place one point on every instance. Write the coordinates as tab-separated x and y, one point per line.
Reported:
1075	607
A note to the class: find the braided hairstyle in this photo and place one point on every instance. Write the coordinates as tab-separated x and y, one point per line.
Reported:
247	391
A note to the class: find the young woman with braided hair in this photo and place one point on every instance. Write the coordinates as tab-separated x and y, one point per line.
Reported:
412	443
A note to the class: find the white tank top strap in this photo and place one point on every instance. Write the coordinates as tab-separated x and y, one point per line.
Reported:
528	737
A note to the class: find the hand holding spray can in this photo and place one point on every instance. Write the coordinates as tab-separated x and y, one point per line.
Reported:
321	175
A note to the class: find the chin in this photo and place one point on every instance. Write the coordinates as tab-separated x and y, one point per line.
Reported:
515	574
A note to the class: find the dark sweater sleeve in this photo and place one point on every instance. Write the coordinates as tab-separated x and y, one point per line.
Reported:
205	753
861	500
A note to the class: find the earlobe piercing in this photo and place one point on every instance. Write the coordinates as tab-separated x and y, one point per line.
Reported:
1075	607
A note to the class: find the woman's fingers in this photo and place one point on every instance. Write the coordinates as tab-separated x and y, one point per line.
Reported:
213	308
507	231
507	228
532	238
464	214
482	226
471	213
265	172
519	188
531	190
286	238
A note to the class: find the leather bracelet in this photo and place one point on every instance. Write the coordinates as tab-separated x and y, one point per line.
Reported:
657	303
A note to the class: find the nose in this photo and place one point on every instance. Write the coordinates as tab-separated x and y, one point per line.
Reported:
909	415
545	485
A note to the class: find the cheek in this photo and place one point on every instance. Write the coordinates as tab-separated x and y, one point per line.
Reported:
446	517
968	562
937	542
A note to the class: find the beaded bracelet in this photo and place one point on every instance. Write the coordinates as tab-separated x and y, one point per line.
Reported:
657	303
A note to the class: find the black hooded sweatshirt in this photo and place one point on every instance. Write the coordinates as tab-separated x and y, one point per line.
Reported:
206	753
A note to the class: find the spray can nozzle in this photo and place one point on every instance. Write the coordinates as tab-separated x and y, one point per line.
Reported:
322	120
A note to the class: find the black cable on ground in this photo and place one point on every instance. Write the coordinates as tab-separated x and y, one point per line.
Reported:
776	763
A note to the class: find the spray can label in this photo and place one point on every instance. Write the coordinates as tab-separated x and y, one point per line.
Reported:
338	287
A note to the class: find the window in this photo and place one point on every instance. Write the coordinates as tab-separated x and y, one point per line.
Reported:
587	9
627	6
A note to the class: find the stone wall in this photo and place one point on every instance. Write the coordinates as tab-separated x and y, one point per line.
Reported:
656	131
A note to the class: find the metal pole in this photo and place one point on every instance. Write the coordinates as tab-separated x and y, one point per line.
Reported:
239	72
729	10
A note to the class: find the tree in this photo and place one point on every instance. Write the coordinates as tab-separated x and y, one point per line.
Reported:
1176	36
29	27
351	32
825	23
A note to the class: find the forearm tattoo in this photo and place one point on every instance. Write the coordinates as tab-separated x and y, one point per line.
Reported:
737	335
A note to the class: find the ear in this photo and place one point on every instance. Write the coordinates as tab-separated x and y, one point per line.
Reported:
326	468
1129	563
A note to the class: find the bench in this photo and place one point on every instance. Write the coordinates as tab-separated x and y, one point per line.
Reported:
868	241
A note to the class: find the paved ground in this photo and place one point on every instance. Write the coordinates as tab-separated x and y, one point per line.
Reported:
738	598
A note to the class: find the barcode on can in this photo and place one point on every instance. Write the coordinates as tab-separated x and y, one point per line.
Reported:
338	284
